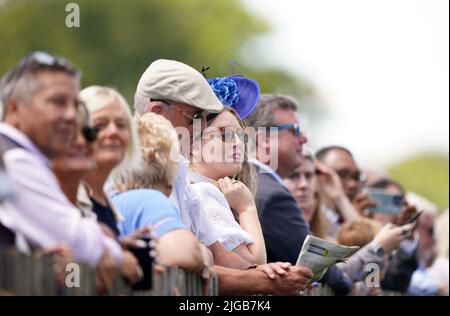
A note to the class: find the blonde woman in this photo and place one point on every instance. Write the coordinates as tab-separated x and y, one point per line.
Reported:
115	148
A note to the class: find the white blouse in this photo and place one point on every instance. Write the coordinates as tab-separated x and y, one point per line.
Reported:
220	215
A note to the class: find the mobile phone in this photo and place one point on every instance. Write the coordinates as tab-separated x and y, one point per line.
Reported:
414	218
146	263
386	202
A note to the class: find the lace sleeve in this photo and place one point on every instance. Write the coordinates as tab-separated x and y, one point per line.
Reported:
219	213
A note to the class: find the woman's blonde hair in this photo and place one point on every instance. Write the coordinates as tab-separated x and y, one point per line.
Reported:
98	97
157	162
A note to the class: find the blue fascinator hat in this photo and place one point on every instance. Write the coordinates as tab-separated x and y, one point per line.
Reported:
237	92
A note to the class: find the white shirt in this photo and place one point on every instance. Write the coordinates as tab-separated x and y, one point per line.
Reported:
220	215
191	208
41	212
263	168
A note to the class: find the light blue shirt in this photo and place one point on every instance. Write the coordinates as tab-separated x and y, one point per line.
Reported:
144	207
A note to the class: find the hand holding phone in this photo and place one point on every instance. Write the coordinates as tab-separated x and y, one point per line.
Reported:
414	218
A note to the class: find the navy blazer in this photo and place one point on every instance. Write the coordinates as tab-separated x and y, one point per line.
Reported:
283	226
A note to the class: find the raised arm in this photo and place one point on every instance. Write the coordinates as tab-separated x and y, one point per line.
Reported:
241	200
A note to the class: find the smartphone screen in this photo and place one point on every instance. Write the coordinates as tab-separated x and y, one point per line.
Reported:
386	202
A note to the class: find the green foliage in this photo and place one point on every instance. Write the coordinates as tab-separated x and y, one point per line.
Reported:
426	174
118	39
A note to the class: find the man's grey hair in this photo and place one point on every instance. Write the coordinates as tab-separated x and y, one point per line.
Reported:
21	90
263	115
141	103
20	81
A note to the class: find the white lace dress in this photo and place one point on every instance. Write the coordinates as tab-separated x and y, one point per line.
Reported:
216	206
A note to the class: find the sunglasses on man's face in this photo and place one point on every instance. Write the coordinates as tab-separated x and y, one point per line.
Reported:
293	128
201	115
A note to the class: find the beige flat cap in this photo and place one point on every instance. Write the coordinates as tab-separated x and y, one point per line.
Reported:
172	80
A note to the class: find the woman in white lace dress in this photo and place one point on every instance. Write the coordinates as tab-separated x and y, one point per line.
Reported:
216	170
221	174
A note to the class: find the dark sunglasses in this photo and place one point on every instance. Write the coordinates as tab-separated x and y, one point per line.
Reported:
89	133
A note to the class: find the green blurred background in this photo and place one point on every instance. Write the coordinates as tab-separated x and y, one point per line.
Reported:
117	40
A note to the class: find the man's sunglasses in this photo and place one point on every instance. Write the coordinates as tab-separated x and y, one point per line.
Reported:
197	116
293	128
